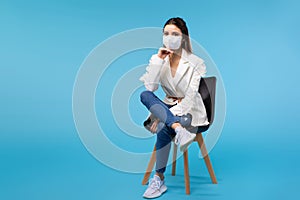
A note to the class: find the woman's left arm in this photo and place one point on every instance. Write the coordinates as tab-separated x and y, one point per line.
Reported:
187	102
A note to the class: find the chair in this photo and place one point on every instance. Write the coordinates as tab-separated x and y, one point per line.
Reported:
207	90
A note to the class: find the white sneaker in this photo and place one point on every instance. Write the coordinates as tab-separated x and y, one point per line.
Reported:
184	138
155	188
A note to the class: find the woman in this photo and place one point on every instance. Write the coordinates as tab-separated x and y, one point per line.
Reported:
178	71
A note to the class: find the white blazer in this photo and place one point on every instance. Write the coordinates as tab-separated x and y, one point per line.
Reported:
184	84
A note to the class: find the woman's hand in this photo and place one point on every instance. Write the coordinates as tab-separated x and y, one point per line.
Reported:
153	127
163	52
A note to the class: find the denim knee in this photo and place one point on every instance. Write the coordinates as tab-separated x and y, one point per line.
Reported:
144	96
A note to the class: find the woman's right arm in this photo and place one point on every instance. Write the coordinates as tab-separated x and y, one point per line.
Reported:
152	75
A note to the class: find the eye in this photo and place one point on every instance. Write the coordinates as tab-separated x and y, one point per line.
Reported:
176	34
166	33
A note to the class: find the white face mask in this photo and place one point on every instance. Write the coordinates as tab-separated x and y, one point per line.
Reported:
172	42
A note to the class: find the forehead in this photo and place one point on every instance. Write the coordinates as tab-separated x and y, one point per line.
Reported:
171	28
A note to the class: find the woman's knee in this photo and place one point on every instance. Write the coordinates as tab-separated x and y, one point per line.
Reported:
145	95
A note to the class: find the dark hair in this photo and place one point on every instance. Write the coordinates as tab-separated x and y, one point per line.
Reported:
180	23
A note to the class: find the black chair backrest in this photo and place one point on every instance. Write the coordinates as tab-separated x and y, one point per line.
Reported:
207	90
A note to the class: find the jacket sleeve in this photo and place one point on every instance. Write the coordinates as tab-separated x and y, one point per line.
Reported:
152	75
186	104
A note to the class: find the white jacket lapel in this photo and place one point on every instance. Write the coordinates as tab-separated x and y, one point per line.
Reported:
182	68
167	81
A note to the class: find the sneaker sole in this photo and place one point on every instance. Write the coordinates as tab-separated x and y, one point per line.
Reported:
162	190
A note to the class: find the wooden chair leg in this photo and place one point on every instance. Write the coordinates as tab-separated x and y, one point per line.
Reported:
202	147
186	172
150	167
174	160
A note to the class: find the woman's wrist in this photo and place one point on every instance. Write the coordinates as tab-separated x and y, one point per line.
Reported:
155	59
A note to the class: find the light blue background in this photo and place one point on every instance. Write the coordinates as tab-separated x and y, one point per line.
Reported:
255	44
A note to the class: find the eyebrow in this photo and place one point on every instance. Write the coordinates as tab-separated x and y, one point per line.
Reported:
172	32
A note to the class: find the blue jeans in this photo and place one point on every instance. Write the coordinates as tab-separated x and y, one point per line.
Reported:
165	133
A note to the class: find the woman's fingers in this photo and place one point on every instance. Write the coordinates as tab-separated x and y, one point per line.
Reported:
163	52
153	127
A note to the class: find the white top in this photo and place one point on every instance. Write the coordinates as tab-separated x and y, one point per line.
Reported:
184	84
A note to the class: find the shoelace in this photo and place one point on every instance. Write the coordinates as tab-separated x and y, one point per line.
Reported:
155	184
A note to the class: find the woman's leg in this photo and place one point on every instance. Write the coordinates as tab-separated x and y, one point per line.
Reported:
162	112
163	145
158	108
156	186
